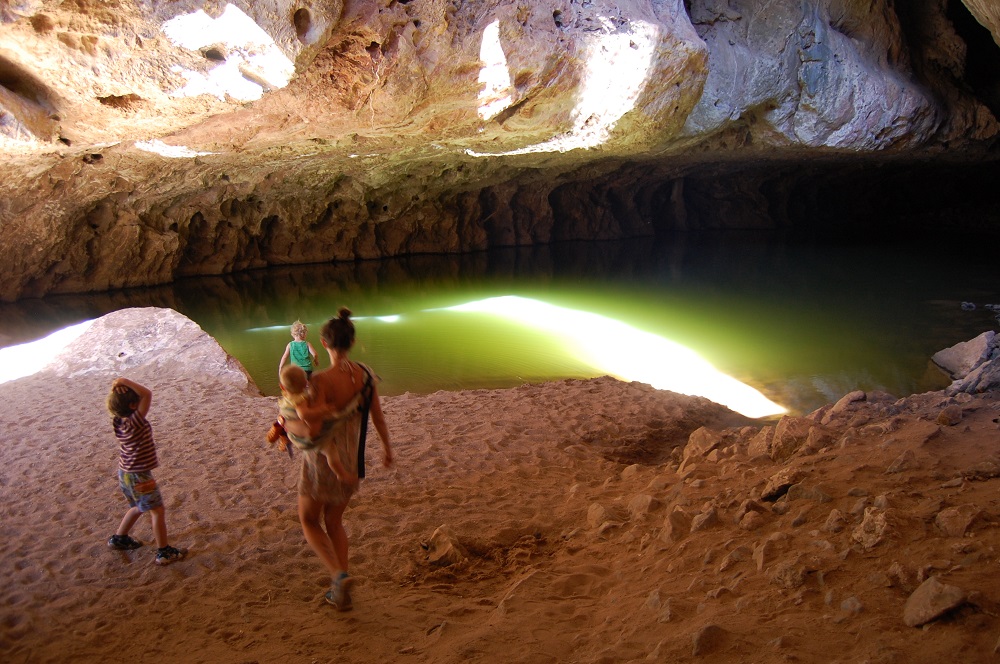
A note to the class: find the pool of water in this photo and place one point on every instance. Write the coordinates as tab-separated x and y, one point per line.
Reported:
803	324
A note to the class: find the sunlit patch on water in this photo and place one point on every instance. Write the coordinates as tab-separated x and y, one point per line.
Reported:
621	350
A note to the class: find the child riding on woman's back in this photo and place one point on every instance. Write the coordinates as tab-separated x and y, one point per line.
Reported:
299	418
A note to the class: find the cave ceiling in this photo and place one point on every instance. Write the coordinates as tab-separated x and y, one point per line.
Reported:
146	141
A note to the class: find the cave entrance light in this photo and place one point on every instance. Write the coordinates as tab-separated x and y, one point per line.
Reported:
625	352
618	60
252	63
29	358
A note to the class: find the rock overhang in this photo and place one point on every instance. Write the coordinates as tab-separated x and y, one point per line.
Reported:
378	144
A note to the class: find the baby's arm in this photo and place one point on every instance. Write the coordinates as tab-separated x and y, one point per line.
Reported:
297	428
344	475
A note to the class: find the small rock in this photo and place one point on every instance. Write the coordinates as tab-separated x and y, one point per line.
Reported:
444	548
701	441
789	435
641	505
596	515
956	521
789	575
905	461
835	522
949	416
708	639
706	519
873	529
752	521
737	555
763	553
760	444
900	577
802	492
930	601
777	485
842	405
631	471
852	605
748	506
676	526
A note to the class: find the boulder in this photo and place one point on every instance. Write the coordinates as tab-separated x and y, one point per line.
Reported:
959	360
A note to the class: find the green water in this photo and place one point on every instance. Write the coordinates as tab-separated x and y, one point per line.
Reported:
803	324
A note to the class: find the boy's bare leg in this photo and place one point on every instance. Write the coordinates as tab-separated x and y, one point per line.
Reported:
158	514
128	521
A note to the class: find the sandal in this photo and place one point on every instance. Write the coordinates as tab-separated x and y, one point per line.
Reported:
123	543
339	594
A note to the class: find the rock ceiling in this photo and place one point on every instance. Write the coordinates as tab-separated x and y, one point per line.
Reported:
151	140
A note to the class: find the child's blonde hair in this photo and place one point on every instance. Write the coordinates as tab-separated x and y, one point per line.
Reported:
294	381
122	400
299	330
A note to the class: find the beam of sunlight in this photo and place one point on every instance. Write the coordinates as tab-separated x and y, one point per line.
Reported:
252	63
495	95
157	146
23	360
618	60
623	351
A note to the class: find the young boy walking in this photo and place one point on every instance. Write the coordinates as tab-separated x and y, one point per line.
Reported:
299	351
128	404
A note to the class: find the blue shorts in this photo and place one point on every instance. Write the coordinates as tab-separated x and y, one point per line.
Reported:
140	490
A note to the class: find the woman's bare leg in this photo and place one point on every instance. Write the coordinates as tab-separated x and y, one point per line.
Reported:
334	519
310	516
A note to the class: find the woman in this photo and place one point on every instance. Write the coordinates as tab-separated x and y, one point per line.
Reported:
340	393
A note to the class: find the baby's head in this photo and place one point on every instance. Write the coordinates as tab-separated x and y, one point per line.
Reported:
299	331
122	400
294	382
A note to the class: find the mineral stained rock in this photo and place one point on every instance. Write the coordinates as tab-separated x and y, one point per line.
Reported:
147	141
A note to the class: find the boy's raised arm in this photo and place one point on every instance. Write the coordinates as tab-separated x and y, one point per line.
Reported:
145	394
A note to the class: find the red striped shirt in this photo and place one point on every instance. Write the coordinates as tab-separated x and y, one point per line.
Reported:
137	453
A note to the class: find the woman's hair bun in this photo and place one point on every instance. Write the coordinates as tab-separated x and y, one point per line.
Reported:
344	313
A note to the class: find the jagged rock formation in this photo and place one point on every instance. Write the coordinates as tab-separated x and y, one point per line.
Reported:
144	143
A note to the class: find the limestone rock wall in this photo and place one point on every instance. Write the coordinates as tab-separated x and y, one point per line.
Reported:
144	143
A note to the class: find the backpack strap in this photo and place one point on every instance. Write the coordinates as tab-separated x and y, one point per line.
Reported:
367	390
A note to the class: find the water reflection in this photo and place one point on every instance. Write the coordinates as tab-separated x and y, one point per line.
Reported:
801	324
